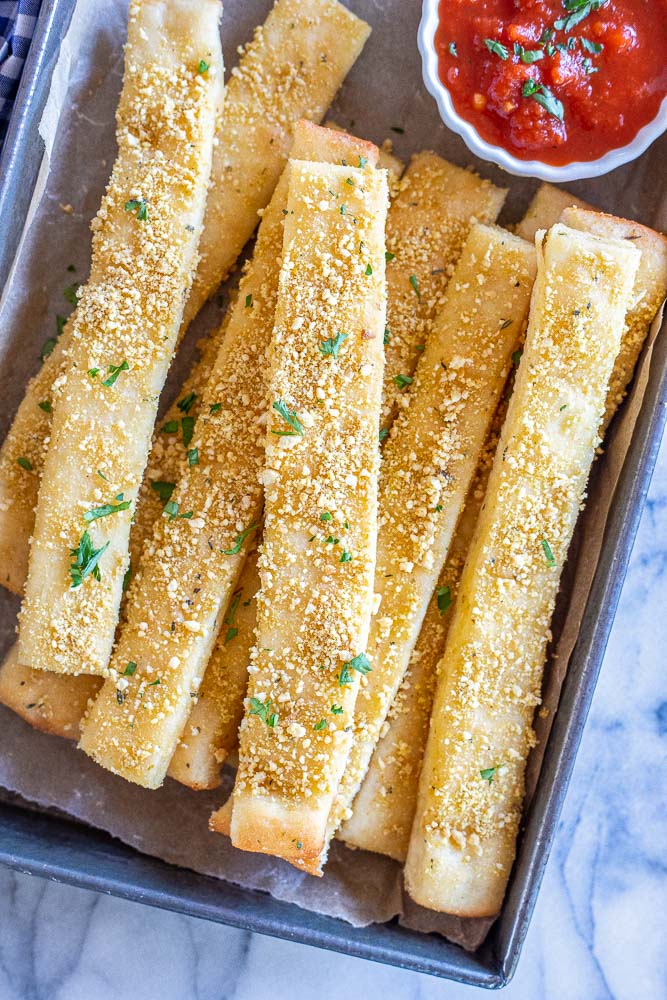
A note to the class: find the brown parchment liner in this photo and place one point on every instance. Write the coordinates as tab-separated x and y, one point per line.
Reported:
77	128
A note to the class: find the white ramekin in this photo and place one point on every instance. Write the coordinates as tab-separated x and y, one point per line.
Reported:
496	154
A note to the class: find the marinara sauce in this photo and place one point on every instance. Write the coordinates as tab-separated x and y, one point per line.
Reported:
554	80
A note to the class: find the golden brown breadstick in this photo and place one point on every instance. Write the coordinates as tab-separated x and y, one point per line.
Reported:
648	294
427	225
318	548
546	209
290	70
211	732
122	335
472	782
51	702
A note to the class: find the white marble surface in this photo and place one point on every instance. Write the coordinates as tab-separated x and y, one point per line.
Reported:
598	931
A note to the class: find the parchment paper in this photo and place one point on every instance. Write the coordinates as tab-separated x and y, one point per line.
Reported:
382	93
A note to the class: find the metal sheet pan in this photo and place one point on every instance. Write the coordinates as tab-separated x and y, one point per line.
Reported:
54	847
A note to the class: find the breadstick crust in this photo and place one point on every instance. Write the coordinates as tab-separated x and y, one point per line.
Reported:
49	702
546	209
211	732
28	440
212	729
428	465
291	70
472	782
384	807
318	552
190	566
648	295
123	332
428	222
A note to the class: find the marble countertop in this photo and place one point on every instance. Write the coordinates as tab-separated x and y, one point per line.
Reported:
597	931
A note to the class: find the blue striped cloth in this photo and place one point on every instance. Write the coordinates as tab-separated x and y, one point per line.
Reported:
17	23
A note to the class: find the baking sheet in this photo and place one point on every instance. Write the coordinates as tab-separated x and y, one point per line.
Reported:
77	128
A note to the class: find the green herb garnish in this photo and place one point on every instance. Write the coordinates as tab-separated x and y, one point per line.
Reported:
188	429
163	489
578	11
203	67
415	284
496	48
130	669
106	509
115	371
25	463
46	406
70	295
193	457
333	345
186	404
86	559
545	97
359	663
171	509
322	724
290	417
263	710
487	774
240	539
403	381
551	560
444	597
138	205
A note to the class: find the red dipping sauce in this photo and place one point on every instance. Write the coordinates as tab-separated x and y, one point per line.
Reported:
554	80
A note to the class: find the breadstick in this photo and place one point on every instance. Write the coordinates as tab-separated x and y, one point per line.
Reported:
211	732
384	807
429	462
318	549
472	782
50	702
648	295
292	69
190	567
123	335
427	225
545	210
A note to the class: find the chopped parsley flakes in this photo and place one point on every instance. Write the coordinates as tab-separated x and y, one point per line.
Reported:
290	417
139	207
240	539
333	345
263	710
359	663
86	559
106	509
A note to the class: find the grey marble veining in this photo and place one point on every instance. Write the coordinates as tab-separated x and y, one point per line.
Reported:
598	930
